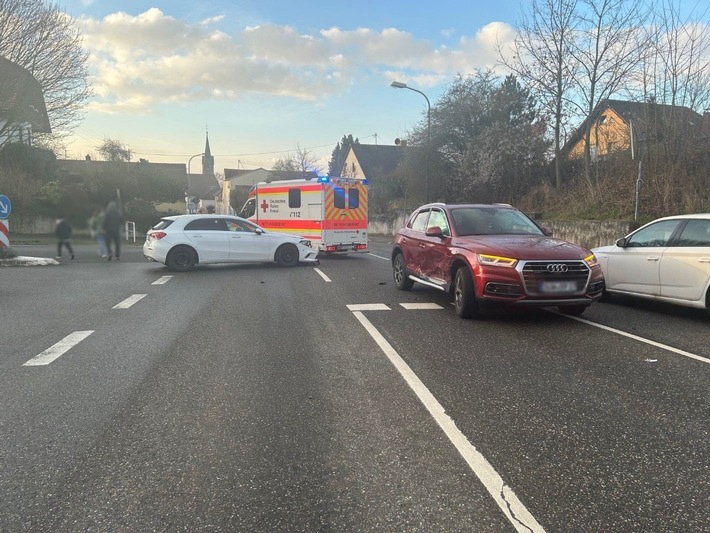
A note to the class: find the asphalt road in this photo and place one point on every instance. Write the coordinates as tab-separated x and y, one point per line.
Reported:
258	398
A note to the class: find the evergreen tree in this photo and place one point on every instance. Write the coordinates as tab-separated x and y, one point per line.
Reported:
337	158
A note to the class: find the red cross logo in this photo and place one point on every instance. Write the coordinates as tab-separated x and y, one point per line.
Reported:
264	206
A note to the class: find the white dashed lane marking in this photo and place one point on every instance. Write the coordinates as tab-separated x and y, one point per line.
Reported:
378	256
59	349
322	275
369	307
162	281
128	302
420	306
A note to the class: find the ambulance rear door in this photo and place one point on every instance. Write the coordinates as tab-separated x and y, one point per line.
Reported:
346	215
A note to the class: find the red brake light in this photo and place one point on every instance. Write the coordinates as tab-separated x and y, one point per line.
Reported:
361	246
330	248
157	234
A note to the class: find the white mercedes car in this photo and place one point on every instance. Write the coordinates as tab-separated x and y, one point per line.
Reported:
666	260
183	241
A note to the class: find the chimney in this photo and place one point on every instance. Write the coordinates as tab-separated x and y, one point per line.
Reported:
88	157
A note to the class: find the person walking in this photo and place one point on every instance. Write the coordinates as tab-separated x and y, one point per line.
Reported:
63	231
113	219
96	226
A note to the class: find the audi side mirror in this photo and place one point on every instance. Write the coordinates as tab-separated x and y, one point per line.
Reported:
434	231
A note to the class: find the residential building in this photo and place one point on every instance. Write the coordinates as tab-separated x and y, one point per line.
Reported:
618	125
22	107
371	161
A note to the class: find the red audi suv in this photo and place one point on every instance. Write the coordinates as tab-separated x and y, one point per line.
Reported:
488	255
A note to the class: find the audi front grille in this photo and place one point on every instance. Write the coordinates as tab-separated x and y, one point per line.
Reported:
569	277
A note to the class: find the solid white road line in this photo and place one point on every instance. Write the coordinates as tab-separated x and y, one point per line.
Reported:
637	338
56	351
378	256
518	515
128	302
420	306
320	273
162	281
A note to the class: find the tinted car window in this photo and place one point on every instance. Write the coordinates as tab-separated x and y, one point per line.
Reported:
206	224
249	209
163	224
695	233
353	198
655	235
492	221
339	197
438	218
234	224
294	198
419	221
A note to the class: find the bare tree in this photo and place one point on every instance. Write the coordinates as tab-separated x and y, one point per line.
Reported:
113	150
610	46
302	160
680	50
541	59
40	37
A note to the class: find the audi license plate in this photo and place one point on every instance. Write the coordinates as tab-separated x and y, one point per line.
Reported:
558	287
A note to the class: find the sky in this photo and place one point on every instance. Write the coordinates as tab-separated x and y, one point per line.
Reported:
264	78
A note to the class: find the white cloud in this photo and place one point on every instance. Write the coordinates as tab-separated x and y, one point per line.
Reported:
139	62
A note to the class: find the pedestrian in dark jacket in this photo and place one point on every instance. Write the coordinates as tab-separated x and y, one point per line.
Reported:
63	231
113	219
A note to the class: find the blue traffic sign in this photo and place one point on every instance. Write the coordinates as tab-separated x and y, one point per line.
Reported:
5	206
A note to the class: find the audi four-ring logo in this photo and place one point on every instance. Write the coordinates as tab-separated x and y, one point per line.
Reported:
557	267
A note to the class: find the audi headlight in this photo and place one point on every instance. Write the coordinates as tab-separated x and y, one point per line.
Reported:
496	260
591	260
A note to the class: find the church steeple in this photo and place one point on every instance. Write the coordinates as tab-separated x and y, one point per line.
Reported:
207	159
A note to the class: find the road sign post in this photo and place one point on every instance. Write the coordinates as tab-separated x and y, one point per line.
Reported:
4	234
5	208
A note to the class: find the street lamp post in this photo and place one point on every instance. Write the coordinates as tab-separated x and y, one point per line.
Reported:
400	85
190	161
187	197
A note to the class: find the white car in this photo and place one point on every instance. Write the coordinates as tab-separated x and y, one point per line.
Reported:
180	242
666	260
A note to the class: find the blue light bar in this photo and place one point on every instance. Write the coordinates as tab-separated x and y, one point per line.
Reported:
323	179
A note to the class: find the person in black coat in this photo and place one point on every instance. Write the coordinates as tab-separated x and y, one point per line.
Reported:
113	220
63	231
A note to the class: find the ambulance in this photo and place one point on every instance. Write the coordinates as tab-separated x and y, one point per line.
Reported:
330	212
